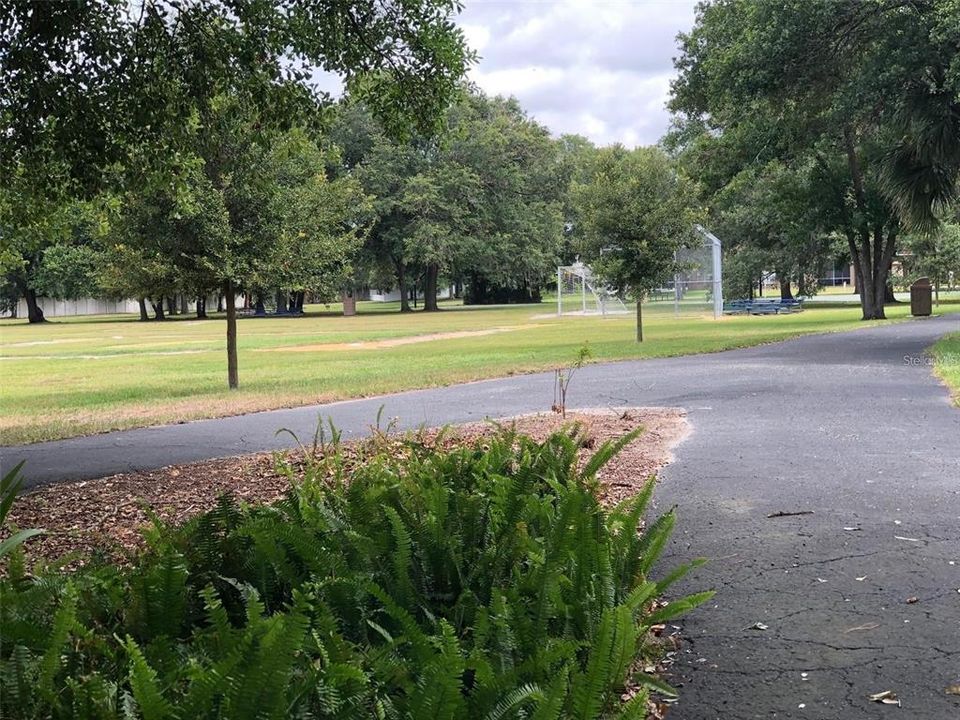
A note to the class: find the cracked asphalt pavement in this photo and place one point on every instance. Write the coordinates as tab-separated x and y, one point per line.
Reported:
852	428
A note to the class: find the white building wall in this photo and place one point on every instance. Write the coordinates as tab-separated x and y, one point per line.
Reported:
379	295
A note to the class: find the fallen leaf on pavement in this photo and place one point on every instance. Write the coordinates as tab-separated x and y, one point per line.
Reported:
868	626
912	599
953	689
862	578
887	697
757	626
852	529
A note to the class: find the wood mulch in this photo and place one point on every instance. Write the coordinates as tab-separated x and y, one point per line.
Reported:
107	515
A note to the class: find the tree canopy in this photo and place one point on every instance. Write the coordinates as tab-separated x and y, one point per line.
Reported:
866	91
102	96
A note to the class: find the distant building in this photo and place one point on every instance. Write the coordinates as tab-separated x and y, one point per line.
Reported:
82	306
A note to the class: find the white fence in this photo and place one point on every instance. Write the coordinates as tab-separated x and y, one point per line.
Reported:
84	306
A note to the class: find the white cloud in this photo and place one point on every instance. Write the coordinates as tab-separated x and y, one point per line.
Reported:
600	69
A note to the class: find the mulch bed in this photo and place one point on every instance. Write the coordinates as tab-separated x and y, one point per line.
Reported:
107	515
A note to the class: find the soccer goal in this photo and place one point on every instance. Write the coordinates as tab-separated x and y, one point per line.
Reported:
697	284
580	292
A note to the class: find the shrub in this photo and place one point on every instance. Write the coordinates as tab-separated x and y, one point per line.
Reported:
478	582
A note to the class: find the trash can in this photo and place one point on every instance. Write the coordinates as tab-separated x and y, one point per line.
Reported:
921	298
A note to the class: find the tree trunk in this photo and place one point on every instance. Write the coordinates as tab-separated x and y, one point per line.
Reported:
402	285
260	308
184	306
872	255
142	302
201	308
281	302
785	292
301	296
171	305
888	297
639	320
430	289
34	311
219	302
231	298
158	310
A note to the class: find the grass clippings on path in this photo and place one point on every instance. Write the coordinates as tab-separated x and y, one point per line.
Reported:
108	515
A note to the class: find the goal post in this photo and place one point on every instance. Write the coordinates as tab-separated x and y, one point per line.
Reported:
581	292
716	256
696	288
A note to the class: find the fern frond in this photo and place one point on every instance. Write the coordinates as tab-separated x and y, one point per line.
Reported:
145	685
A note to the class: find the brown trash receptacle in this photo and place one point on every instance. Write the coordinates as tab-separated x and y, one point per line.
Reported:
349	303
921	298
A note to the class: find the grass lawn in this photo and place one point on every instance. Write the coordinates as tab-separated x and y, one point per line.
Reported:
946	355
81	376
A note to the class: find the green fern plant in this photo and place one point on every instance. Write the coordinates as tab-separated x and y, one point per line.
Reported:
482	581
10	485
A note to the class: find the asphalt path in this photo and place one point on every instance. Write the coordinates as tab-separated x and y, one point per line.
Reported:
814	611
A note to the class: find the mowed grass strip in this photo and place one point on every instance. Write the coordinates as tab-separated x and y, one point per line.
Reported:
946	357
82	376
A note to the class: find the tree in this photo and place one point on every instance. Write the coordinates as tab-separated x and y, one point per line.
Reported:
636	214
381	165
322	221
861	89
770	216
479	203
515	210
167	238
438	203
577	159
935	255
94	85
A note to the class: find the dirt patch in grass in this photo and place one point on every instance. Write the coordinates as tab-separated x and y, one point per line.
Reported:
397	342
108	515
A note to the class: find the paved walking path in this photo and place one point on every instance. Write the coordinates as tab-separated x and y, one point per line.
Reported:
850	426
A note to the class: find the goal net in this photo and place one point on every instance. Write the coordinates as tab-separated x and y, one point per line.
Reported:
580	292
697	285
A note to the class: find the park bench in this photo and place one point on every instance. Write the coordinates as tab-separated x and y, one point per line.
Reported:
762	306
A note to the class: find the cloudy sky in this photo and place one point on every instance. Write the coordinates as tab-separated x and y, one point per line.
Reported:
598	68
